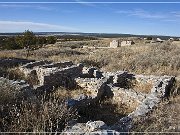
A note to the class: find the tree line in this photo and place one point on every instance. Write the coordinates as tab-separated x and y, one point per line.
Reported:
64	38
27	40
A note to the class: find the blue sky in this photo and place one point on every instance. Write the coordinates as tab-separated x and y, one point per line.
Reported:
146	18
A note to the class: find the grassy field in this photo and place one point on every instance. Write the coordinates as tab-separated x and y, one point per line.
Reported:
157	59
148	59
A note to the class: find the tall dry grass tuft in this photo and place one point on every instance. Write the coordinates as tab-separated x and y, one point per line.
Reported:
46	116
43	115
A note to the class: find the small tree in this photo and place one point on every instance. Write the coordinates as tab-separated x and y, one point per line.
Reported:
10	44
27	40
51	39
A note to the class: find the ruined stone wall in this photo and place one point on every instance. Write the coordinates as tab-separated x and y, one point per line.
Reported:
114	44
138	92
126	43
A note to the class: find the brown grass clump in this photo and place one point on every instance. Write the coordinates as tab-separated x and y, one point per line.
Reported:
142	87
65	93
46	116
8	92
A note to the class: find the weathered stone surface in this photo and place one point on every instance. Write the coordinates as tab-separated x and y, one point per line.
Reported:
88	72
53	74
93	85
29	68
141	103
59	77
91	127
127	96
59	64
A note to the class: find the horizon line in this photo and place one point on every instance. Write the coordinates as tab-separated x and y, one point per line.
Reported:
132	34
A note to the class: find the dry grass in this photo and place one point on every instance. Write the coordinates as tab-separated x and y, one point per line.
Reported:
15	74
165	118
44	115
8	92
65	93
157	59
160	59
105	110
142	87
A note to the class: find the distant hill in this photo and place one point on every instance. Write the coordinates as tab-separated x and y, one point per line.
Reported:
100	35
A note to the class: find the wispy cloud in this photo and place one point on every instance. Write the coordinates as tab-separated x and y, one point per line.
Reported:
18	26
176	13
39	7
82	2
142	14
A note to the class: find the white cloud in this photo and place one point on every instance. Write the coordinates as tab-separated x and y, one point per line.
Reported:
19	26
85	3
142	14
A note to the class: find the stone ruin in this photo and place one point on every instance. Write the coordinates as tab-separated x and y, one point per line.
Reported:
127	43
116	43
140	93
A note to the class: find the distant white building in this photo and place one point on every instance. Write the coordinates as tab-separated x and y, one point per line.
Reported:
127	43
159	40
